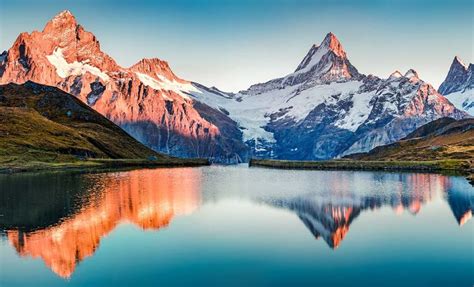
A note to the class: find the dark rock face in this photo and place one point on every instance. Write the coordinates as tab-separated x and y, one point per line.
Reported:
458	86
459	77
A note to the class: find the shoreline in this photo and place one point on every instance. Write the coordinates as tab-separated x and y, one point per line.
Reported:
100	165
460	166
463	167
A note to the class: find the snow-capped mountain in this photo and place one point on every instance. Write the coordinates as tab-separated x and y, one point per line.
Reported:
327	109
458	86
148	100
324	109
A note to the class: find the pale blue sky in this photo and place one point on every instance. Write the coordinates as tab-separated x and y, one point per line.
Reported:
232	44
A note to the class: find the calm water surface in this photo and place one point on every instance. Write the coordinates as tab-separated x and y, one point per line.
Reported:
233	225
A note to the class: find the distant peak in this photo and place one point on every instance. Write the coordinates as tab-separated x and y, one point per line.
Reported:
411	74
154	68
151	62
395	75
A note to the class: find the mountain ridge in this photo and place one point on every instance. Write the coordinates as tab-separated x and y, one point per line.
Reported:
147	99
327	109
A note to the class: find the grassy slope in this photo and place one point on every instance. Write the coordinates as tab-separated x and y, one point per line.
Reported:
435	165
445	140
43	127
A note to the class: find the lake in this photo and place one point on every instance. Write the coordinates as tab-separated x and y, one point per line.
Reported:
236	226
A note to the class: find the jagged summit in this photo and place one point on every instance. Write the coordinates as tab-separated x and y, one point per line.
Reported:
316	52
63	20
395	75
155	68
65	15
457	60
324	63
332	43
459	84
458	78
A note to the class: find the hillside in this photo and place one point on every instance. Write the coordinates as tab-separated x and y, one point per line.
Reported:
441	139
42	124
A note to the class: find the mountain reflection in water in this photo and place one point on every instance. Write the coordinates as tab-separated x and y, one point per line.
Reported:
330	215
62	218
147	198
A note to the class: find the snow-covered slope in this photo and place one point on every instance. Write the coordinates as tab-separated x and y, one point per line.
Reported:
327	109
458	86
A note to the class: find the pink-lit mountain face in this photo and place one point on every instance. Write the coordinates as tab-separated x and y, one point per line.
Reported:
148	100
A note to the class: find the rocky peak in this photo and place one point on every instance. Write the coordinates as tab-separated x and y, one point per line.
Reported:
411	73
412	76
457	62
62	21
324	63
458	77
317	52
332	43
395	75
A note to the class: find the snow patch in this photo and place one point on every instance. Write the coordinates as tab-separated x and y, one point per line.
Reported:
463	100
307	100
411	74
315	58
163	83
65	69
359	112
252	112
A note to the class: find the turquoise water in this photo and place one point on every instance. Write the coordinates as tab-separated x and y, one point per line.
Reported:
236	226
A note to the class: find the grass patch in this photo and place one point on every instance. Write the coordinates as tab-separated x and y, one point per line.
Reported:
435	165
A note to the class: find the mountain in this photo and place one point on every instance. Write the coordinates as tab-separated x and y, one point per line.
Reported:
327	109
445	138
45	124
458	86
147	99
324	109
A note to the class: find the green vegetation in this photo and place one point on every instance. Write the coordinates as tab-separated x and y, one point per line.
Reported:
442	139
44	128
445	145
344	164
